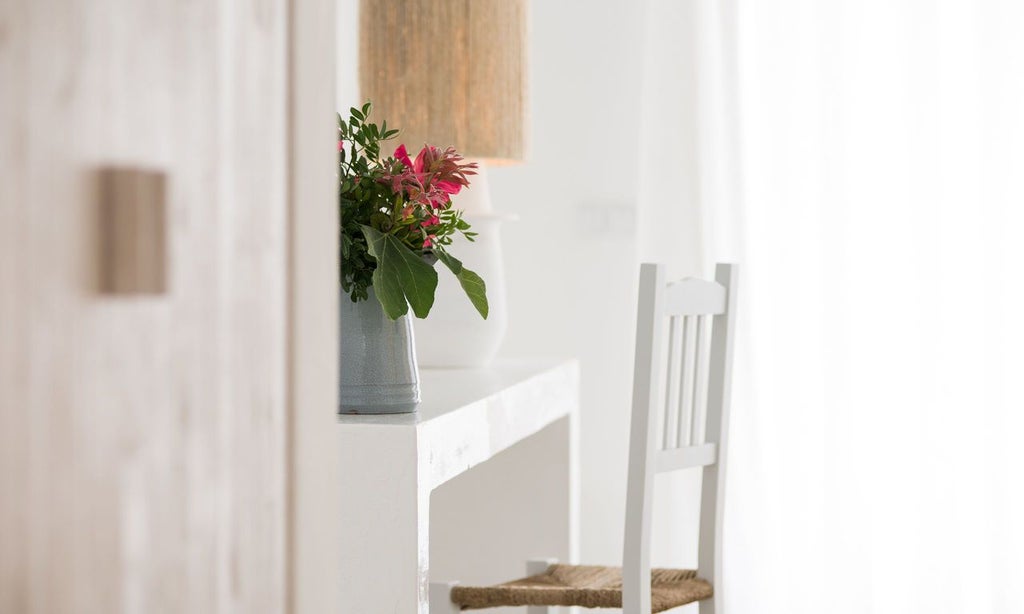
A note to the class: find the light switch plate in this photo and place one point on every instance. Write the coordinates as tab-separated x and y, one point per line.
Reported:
606	219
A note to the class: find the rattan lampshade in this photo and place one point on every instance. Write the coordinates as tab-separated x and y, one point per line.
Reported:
448	72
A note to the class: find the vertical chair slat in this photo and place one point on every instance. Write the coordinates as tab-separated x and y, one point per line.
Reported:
683	370
698	418
706	385
669	427
685	408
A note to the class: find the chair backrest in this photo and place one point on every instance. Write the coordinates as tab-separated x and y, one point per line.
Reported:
680	419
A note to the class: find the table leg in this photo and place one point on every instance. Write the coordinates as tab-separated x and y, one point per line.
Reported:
384	524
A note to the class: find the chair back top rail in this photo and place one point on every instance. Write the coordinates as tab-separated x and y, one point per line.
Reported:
694	297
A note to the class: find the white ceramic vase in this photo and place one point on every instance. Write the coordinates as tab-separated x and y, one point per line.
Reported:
454	335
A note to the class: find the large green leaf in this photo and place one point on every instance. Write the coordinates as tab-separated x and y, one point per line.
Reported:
401	278
473	285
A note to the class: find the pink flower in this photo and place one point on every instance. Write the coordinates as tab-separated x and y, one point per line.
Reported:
403	157
341	145
438	199
432	178
427	241
421	158
449	187
433	221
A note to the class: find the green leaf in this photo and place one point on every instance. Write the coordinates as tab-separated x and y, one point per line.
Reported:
471	283
402	279
379	220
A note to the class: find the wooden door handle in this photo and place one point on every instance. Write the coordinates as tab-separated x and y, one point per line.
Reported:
133	209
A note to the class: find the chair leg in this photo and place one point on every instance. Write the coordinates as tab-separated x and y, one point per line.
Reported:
441	598
708	606
534	567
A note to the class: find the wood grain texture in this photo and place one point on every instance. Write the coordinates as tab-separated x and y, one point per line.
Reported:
142	439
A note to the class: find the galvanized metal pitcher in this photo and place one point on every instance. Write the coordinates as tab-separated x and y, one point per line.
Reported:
379	374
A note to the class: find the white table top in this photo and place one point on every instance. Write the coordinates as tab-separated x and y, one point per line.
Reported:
469	415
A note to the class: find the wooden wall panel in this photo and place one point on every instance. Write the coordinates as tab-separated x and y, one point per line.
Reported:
142	438
314	535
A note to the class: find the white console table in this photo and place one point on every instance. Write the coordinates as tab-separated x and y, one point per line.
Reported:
392	463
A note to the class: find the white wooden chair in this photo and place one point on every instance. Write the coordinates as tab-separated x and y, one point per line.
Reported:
680	421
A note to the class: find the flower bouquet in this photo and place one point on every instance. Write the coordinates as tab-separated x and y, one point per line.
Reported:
397	219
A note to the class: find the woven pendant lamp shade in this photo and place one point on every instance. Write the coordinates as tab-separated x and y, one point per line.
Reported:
448	73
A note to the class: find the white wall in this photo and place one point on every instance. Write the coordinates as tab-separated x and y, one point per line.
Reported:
573	255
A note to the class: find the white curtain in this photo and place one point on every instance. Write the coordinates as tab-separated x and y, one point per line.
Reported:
877	461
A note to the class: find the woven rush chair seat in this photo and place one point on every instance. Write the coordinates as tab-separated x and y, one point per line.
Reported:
587	586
